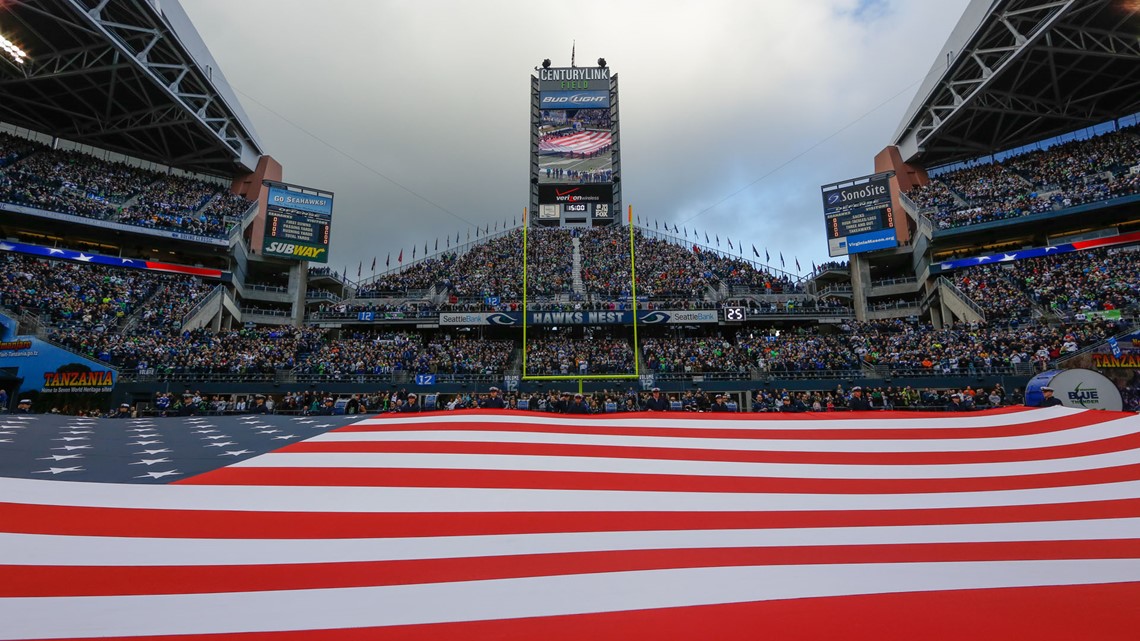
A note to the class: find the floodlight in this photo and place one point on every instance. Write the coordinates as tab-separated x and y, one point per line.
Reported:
12	50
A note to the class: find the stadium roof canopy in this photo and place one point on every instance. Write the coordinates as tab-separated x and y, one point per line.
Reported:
131	76
1017	71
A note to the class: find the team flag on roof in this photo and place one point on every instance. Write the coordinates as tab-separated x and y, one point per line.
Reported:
1012	523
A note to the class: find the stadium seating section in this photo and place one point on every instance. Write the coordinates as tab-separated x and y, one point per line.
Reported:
80	184
132	319
1061	176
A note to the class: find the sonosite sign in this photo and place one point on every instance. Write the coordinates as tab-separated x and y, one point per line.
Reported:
859	215
297	223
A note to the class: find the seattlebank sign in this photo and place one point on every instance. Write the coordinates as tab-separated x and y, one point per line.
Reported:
515	319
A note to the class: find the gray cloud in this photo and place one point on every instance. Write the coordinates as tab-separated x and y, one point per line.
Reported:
434	94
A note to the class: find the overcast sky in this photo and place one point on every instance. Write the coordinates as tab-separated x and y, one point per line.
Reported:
717	98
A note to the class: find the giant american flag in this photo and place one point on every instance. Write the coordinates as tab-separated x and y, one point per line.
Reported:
1008	524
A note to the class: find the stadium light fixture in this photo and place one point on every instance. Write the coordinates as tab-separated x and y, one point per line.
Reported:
9	47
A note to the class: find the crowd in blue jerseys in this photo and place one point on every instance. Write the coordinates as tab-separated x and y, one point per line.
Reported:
77	183
132	319
1063	175
665	270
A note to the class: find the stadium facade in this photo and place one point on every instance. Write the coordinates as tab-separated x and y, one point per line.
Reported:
131	153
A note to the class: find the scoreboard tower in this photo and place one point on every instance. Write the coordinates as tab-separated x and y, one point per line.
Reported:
575	147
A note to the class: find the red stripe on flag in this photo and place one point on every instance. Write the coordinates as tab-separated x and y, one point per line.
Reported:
231	524
1103	446
617	481
1058	424
184	269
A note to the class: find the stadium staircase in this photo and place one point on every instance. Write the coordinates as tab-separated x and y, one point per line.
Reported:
578	287
958	303
128	323
205	311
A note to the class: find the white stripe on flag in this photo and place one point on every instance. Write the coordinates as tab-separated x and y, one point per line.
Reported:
509	462
472	500
337	608
100	551
1099	431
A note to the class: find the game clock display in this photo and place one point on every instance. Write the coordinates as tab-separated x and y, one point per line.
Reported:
577	208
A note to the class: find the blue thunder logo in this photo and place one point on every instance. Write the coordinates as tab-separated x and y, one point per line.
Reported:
1084	397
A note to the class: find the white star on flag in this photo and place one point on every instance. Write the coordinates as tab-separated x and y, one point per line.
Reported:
58	470
84	257
158	475
151	461
236	452
60	457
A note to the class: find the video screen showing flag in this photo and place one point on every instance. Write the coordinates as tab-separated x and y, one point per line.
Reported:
575	137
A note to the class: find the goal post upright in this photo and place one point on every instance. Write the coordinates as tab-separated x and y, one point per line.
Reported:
580	378
524	307
633	292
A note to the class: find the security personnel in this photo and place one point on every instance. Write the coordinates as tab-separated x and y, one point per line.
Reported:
719	405
578	406
656	402
1050	400
857	402
494	401
24	406
411	405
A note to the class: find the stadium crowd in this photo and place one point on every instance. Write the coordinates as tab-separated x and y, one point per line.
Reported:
77	183
1060	176
563	355
1067	284
91	298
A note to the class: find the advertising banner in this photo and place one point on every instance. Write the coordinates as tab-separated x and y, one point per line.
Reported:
1119	361
859	215
573	78
514	319
53	376
55	253
297	223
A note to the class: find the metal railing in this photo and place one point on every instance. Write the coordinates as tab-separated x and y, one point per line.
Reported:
893	281
839	374
948	285
1091	348
209	298
273	289
320	294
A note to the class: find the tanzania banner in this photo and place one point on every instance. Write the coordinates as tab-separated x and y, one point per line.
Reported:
51	376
